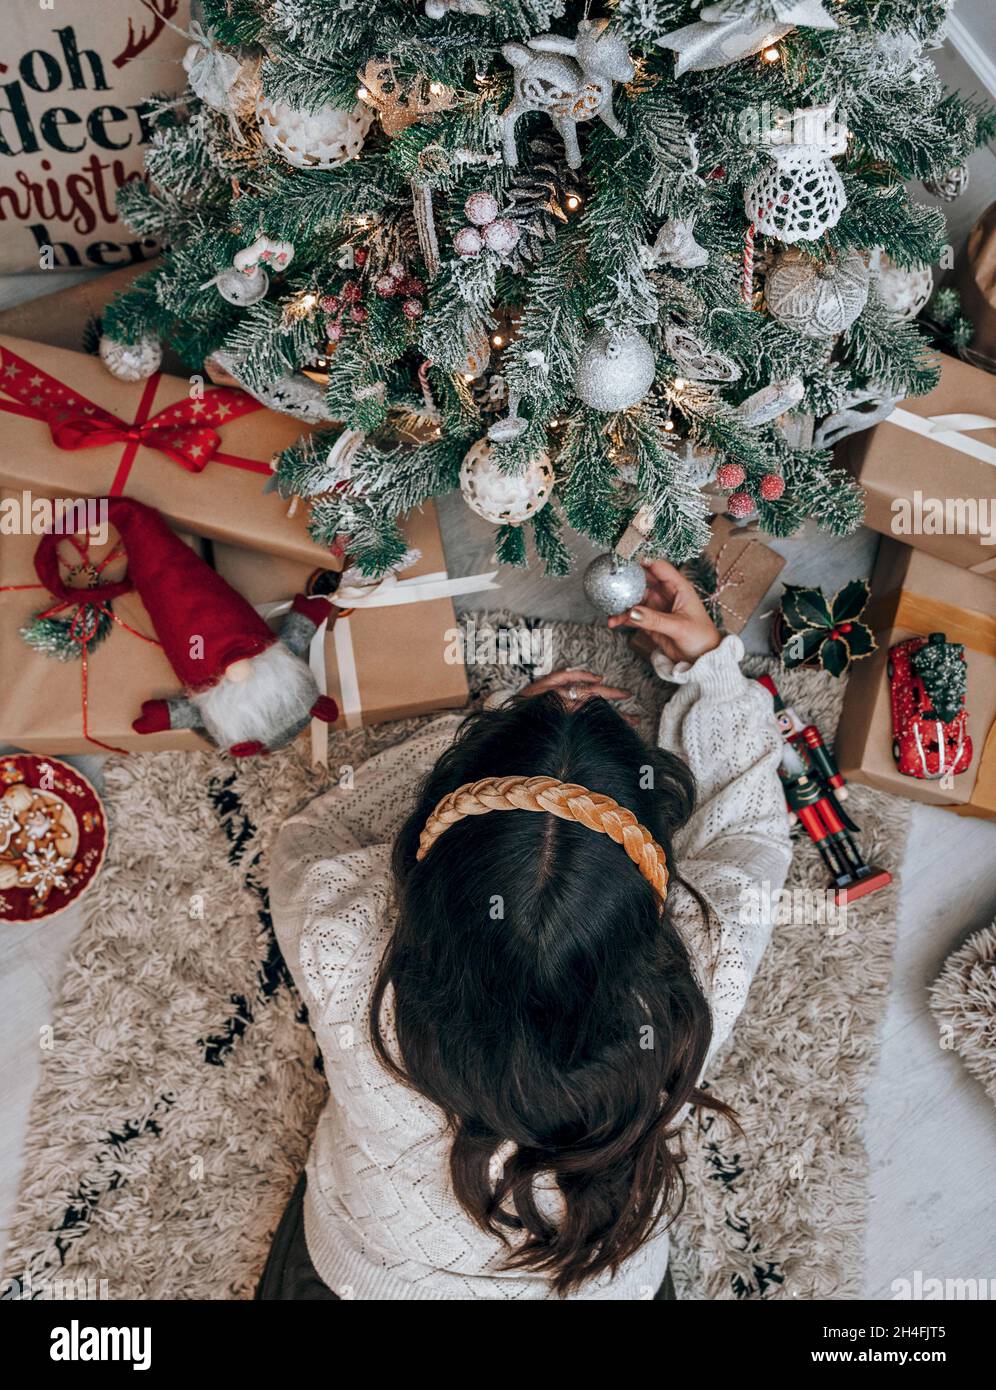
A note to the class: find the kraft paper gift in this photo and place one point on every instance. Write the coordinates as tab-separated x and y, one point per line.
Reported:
745	570
934	456
70	429
42	698
912	595
386	661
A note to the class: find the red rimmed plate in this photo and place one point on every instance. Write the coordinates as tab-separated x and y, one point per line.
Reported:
53	837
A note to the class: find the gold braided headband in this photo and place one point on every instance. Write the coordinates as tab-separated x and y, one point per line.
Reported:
563	799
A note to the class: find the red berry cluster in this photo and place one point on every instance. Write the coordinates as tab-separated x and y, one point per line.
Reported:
397	283
732	476
337	306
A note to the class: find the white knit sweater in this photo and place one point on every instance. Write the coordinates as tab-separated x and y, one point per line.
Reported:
381	1221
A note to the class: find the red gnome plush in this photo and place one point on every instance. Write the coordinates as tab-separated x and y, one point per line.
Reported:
247	688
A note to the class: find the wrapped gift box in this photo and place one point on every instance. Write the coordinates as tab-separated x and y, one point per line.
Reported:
912	595
379	663
224	500
745	569
976	280
942	478
41	698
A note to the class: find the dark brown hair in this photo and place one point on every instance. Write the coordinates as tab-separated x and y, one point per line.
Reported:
540	995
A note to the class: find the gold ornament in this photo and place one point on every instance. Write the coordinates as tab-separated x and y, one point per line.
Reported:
400	104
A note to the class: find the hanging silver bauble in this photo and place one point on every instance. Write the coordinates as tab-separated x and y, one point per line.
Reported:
950	185
131	361
818	300
615	371
613	585
241	287
501	497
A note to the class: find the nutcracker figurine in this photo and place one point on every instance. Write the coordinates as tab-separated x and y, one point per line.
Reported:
814	789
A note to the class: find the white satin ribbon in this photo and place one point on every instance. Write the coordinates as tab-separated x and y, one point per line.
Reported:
385	593
949	430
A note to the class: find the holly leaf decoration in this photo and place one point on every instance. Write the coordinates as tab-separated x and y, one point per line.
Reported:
860	641
801	646
850	601
804	607
834	656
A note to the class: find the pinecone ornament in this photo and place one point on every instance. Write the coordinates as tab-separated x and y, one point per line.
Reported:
541	196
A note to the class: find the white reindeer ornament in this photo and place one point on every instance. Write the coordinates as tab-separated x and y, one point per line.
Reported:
568	79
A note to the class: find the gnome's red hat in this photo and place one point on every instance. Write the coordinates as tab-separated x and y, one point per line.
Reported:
185	598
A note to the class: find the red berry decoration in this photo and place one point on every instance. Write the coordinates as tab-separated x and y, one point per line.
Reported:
333	332
360	258
412	309
730	476
740	504
329	303
358	314
772	486
386	285
396	270
351	292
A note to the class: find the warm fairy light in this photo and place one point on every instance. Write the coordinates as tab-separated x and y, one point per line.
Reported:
468	376
554	424
436	88
668	425
573	203
772	54
680	383
498	340
362	93
309	301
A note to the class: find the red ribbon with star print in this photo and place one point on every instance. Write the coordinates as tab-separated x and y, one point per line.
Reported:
186	431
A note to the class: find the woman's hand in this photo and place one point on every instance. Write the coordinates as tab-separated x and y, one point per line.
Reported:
574	686
672	615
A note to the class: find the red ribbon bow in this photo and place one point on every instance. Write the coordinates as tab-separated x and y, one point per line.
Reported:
185	431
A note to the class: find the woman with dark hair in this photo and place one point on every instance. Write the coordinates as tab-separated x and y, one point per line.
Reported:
520	937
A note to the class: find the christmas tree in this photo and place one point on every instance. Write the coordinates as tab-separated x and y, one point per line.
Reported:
567	257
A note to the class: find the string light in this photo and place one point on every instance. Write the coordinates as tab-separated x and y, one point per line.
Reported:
436	87
363	93
668	425
573	202
498	340
772	54
680	383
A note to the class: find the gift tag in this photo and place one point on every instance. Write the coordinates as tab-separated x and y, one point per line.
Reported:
53	836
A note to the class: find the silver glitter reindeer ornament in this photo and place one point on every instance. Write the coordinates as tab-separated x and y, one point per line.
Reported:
568	79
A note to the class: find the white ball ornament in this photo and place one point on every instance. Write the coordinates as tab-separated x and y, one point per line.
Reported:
481	208
131	361
319	139
613	585
615	371
814	299
467	242
500	497
904	292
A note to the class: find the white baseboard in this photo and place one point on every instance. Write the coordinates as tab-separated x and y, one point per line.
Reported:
969	47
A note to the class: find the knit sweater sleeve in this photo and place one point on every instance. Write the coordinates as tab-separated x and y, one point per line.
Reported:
329	868
737	840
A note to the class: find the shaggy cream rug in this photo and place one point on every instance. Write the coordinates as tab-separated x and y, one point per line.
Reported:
963	1001
176	1104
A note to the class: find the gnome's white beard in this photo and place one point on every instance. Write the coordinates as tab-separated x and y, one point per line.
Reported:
278	690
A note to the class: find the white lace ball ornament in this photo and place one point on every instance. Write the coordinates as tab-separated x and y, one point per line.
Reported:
799	194
814	299
481	208
318	139
504	498
241	287
904	292
467	242
131	361
615	371
501	236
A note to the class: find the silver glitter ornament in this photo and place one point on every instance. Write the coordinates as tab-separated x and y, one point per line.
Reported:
615	371
131	361
950	185
613	585
814	299
241	287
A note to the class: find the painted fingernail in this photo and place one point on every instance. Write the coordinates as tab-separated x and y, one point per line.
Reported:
636	614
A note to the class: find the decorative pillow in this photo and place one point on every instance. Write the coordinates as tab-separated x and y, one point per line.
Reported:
73	84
